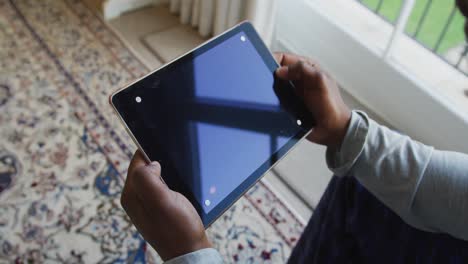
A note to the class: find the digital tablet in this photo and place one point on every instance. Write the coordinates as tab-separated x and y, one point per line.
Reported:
215	118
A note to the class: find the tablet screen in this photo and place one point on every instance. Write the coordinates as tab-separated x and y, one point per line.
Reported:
213	120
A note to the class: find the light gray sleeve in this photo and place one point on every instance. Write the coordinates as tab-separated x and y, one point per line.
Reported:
427	188
202	256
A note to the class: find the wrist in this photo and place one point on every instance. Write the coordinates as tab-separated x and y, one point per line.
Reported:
339	132
201	244
182	249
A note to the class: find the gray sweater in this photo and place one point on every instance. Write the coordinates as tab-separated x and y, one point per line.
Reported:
427	188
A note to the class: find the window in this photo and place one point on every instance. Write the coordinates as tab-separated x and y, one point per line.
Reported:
400	68
436	25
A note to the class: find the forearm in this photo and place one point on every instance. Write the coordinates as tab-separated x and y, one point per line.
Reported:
406	175
441	202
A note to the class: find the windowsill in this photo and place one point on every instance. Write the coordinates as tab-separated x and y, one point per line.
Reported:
408	54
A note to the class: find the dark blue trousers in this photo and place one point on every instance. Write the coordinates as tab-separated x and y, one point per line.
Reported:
351	226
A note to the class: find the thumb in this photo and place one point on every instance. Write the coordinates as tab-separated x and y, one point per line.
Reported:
147	183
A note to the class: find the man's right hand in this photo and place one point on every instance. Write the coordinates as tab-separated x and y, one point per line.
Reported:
321	96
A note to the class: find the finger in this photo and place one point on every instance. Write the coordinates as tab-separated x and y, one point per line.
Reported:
278	57
289	59
150	189
138	160
128	198
297	71
135	211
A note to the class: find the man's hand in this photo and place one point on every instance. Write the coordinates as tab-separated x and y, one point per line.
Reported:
321	96
166	219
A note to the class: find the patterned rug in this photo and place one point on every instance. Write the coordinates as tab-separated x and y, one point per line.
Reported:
63	153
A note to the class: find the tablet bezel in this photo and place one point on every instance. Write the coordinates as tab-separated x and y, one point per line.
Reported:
268	59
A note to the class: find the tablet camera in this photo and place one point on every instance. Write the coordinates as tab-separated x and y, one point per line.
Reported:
299	122
243	39
138	99
207	202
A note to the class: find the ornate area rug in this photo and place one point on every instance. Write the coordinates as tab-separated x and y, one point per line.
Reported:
63	154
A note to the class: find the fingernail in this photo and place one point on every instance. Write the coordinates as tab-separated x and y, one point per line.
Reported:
155	165
282	71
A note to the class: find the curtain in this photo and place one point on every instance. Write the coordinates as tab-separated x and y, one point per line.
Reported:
212	17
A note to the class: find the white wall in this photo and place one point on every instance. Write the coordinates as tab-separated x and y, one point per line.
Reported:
403	101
